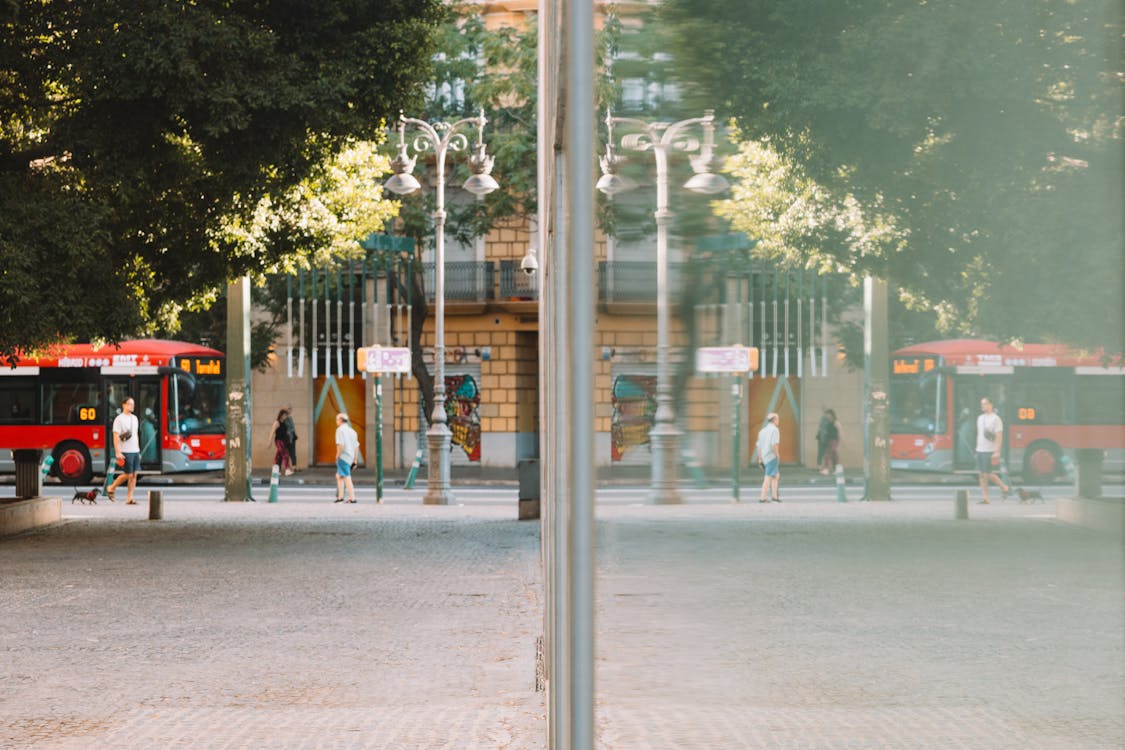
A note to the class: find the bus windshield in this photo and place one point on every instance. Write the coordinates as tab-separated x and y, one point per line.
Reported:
915	404
196	405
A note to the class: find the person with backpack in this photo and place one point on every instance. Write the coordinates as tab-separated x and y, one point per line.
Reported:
828	442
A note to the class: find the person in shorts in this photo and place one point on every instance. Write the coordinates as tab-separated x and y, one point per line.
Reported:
769	438
347	447
990	437
127	448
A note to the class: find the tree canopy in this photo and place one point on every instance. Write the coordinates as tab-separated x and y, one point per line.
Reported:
986	138
139	141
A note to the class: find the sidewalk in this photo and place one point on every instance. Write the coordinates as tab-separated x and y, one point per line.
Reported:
812	625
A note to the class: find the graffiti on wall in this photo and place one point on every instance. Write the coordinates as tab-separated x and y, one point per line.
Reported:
634	410
462	409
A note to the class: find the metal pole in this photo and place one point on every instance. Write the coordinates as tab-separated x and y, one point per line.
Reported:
378	438
736	391
576	631
664	434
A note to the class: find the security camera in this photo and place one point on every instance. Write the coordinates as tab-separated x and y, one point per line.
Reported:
529	264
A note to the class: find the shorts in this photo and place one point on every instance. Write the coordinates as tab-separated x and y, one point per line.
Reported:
343	468
984	462
773	467
132	463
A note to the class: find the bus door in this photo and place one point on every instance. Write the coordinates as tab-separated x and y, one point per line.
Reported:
145	392
968	390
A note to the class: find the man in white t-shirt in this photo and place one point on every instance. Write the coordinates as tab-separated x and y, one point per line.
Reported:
769	438
990	437
347	448
127	448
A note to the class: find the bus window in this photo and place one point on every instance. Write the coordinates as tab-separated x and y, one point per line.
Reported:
17	400
915	402
1100	400
70	396
1041	399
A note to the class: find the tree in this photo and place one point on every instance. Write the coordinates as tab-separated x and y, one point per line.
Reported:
138	137
987	134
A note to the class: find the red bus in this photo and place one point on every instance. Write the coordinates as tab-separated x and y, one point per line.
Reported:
1052	399
64	401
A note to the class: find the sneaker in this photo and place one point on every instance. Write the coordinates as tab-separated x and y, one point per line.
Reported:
288	472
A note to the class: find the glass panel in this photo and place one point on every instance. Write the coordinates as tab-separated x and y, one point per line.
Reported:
200	408
914	404
17	400
148	406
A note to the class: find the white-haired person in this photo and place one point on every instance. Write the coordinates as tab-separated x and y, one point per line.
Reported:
347	448
769	438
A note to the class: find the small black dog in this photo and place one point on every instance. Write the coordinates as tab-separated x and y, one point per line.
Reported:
1029	496
85	497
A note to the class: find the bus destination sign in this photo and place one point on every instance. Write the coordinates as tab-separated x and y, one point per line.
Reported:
913	365
202	365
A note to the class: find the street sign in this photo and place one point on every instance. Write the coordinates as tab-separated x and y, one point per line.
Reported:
383	359
726	359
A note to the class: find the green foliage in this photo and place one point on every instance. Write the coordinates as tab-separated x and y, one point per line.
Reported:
143	143
988	135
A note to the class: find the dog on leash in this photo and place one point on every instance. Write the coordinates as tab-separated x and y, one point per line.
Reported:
90	497
1029	496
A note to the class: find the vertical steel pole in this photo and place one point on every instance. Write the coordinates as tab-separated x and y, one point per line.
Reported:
378	438
578	618
736	392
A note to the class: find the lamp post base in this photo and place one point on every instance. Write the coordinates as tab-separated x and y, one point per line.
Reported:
438	491
665	489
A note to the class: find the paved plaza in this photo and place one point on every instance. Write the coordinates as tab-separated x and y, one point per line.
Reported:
810	624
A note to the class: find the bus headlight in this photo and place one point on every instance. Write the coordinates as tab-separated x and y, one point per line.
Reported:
928	448
185	449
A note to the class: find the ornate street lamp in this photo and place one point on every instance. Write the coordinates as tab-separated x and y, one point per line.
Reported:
441	138
660	138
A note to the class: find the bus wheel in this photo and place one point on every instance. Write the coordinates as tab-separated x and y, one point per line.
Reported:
72	463
1041	462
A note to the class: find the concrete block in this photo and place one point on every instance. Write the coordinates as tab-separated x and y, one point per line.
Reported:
17	516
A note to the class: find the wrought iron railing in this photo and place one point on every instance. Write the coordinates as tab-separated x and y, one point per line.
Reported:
515	284
470	281
634	281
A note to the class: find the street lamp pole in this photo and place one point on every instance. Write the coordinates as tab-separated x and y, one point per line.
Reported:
441	138
660	138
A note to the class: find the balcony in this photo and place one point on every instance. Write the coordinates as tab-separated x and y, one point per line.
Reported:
634	282
515	285
465	282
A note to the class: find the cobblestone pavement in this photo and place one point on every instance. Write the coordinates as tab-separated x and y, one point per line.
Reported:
272	626
865	625
807	625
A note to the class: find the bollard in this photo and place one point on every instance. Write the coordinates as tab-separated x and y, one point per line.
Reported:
45	469
409	483
962	505
275	477
841	494
155	505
